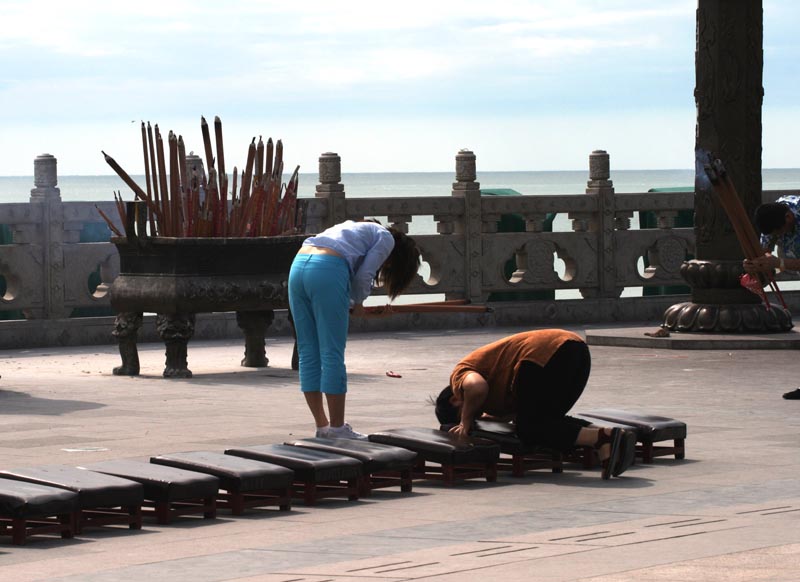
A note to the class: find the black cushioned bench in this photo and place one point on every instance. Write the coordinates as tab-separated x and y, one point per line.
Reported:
243	482
317	474
382	465
514	454
443	456
28	509
649	428
168	492
102	499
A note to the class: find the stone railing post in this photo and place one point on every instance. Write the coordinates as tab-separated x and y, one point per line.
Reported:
603	223
330	186
469	225
50	237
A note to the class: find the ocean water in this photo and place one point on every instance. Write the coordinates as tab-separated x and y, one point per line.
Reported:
358	185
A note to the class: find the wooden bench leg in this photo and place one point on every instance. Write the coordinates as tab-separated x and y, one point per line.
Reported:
352	484
67	520
135	512
162	512
647	452
517	465
558	462
287	495
18	531
309	493
588	457
237	503
680	449
491	472
406	483
365	485
448	474
210	504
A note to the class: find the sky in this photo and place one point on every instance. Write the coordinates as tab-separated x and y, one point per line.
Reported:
389	86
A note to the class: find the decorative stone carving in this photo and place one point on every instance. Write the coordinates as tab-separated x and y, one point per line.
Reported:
668	255
720	304
465	167
330	168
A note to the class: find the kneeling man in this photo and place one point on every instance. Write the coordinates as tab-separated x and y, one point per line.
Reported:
533	379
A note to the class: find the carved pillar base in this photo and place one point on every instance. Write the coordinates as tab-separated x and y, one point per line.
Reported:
176	329
732	318
721	305
254	324
126	330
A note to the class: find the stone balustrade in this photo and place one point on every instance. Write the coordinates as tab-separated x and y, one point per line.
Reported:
47	267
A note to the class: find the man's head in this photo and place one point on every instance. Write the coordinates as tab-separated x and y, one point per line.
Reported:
446	411
773	218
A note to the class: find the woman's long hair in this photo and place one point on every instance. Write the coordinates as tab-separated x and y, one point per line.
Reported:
401	267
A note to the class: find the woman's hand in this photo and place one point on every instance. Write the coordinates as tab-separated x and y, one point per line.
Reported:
460	430
764	264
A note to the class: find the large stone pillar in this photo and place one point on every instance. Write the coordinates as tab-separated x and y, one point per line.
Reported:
728	94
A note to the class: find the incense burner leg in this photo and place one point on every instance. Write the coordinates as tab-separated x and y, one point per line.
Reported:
254	324
126	330
176	329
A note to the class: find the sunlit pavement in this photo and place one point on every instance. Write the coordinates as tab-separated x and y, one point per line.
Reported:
729	511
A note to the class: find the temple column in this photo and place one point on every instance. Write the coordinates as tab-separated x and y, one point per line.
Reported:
728	95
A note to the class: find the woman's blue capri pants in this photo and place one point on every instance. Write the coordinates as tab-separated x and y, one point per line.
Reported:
319	297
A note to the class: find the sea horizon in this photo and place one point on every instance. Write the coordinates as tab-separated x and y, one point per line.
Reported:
100	187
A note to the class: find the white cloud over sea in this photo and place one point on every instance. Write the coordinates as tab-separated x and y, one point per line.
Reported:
528	85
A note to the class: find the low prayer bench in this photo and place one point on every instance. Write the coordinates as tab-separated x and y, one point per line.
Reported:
514	454
383	465
317	474
28	509
649	428
443	456
243	483
168	492
102	499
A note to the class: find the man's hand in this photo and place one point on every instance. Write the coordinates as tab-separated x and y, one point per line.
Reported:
763	264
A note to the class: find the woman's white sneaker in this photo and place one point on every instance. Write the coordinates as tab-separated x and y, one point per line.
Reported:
344	432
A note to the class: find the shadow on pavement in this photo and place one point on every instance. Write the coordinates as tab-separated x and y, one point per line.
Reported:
23	403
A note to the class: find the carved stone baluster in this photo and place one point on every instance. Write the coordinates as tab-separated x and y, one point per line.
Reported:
466	187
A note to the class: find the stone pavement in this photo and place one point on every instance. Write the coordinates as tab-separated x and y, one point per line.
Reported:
730	511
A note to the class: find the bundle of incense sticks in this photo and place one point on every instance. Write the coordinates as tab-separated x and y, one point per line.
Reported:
737	215
184	202
452	305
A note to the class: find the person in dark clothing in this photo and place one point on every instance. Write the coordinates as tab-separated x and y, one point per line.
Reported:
533	379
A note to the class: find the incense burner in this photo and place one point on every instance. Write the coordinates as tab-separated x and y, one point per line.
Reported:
177	278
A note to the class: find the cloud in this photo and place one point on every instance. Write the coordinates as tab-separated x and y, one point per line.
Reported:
433	66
